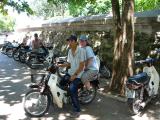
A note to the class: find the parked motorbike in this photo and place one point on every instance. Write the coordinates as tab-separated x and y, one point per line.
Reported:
143	87
40	60
16	52
24	54
11	48
104	70
49	90
5	46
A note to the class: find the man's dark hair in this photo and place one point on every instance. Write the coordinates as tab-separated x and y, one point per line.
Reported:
73	37
35	35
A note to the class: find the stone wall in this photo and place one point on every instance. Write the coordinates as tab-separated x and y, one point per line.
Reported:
103	41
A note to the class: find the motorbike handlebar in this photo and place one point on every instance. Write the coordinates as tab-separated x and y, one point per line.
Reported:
148	60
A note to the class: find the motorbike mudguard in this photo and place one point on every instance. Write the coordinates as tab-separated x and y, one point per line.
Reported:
154	80
96	83
57	93
33	86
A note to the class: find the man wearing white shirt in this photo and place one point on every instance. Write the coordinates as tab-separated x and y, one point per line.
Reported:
76	62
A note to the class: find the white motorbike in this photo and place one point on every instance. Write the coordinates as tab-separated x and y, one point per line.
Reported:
48	90
143	87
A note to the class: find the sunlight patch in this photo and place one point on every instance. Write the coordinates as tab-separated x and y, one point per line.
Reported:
7	78
16	112
16	81
101	89
61	117
27	77
99	100
4	90
83	110
144	117
27	85
12	93
151	111
87	117
1	97
22	95
115	113
16	69
26	73
157	103
3	70
5	108
6	86
2	81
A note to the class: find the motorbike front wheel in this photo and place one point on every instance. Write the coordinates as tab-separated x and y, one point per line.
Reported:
9	52
134	106
87	96
3	50
35	103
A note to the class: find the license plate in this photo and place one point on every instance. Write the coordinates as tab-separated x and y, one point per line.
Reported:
130	93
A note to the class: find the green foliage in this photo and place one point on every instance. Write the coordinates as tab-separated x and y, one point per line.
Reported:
85	7
142	5
6	23
48	9
20	6
90	8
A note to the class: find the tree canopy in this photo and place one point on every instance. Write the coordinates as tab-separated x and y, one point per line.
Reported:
47	10
19	6
142	5
92	7
6	23
84	7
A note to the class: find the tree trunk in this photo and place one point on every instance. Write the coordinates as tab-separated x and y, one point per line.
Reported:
123	44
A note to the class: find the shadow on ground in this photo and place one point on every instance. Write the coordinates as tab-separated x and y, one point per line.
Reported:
14	78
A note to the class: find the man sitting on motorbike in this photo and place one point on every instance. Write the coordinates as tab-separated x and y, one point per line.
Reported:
76	61
38	46
91	65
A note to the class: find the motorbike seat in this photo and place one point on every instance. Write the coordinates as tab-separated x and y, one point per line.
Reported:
41	54
141	78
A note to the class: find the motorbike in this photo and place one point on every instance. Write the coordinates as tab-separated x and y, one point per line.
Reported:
142	88
16	52
6	45
104	70
23	53
40	60
10	49
49	90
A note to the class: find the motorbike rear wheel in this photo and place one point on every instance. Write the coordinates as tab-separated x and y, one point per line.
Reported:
22	57
35	103
15	55
105	72
87	96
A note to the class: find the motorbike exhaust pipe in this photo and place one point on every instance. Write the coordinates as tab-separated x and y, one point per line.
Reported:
36	64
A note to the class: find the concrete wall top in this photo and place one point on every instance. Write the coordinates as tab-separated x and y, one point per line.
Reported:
147	21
